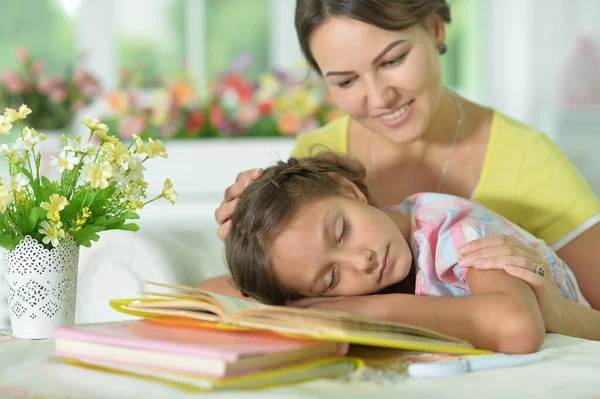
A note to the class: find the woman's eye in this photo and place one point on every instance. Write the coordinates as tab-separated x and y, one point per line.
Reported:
345	84
394	61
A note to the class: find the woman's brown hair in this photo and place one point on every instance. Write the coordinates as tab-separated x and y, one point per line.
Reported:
267	205
392	15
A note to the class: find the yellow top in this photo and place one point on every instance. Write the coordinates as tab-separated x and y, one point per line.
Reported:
525	178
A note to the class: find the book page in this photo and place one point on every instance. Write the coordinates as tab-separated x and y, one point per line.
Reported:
333	321
228	305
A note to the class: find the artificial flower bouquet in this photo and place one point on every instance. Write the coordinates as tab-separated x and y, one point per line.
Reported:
99	187
53	98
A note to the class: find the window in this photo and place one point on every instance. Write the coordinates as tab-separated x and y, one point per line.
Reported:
463	64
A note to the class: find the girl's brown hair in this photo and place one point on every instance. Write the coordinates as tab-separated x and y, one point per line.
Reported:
267	205
392	15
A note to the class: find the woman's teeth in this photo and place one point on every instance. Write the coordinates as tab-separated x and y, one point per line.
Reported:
396	114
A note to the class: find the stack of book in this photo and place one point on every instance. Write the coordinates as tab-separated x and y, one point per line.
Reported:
197	339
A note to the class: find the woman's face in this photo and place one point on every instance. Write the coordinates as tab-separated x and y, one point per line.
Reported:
388	81
339	245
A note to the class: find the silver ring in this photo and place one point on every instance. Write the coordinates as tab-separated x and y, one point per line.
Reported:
539	269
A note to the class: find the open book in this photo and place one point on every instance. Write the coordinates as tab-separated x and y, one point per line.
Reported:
206	308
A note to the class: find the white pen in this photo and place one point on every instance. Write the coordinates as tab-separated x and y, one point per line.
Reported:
471	363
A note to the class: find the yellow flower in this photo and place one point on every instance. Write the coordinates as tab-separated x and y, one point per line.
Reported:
31	137
139	145
16	116
5	125
97	174
136	204
94	125
168	191
56	204
116	152
157	149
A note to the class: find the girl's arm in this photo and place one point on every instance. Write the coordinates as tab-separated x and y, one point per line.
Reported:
561	316
502	313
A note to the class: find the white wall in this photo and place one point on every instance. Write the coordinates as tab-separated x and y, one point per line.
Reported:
530	42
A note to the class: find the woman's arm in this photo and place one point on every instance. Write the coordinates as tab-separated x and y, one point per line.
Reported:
501	314
583	257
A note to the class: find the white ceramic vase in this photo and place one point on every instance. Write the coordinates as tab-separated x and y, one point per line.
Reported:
41	287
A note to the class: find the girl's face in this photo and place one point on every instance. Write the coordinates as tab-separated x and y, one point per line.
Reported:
388	81
340	245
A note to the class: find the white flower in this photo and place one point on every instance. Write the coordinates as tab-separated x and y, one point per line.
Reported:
94	125
14	115
65	160
52	233
118	176
31	137
5	125
15	182
78	145
135	168
6	198
97	174
14	152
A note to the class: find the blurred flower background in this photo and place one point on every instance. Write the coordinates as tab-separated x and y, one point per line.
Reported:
277	103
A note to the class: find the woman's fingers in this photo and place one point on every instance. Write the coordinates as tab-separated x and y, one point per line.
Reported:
241	182
482	257
534	280
486	243
223	230
224	212
231	198
498	262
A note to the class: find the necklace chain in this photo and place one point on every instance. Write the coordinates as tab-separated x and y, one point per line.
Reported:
457	130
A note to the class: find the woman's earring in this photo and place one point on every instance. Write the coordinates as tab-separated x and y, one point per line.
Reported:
443	48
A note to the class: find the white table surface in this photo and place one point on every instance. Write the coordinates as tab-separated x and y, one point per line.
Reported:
571	369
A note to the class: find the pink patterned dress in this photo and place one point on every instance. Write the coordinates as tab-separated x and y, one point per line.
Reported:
443	223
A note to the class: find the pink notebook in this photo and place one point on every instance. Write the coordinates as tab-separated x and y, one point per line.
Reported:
202	351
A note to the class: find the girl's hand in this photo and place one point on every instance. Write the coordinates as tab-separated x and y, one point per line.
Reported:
358	305
506	253
230	199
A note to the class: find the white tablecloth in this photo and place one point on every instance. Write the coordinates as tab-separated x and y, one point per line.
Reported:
571	369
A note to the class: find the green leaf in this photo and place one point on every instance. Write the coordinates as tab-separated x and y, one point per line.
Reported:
9	242
130	227
130	215
70	210
33	219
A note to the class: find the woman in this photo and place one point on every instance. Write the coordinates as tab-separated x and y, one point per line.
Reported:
380	61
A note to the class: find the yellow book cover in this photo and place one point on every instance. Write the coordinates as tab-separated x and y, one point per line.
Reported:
323	368
194	306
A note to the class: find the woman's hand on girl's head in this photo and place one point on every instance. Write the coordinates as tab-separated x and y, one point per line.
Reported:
506	253
224	212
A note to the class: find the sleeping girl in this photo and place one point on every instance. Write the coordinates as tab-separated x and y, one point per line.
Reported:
306	233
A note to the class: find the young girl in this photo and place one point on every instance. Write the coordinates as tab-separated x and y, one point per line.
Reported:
308	229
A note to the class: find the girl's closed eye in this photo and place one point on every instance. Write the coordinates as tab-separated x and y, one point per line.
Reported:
345	231
334	279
